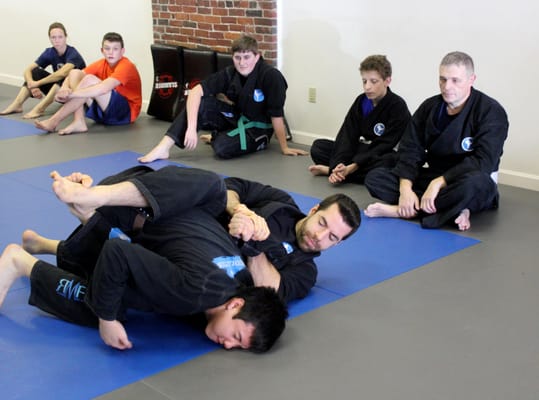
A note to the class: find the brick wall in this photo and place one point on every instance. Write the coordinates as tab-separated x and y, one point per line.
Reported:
215	24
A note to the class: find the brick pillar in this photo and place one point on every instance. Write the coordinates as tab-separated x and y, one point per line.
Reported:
214	24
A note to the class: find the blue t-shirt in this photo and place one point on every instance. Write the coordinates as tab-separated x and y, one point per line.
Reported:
51	57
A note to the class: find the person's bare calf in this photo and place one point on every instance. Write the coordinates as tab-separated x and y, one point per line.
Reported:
14	263
34	243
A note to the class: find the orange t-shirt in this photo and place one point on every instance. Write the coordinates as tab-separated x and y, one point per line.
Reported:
130	85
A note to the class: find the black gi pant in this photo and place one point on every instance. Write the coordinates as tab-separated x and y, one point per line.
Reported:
220	118
475	191
167	268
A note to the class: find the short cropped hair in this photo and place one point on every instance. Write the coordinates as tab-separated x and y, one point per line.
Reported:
244	44
112	37
347	208
266	311
57	25
458	58
378	63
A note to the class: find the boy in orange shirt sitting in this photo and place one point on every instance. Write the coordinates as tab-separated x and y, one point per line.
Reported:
110	89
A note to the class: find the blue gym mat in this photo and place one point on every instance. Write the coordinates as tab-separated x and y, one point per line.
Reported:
43	357
10	128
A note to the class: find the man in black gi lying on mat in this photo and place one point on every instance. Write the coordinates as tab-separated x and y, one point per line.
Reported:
448	157
177	259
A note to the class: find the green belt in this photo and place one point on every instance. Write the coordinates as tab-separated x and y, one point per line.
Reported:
243	124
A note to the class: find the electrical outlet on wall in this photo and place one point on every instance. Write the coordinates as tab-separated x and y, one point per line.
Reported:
312	95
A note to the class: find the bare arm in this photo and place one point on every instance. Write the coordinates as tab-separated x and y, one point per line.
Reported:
96	90
28	72
263	272
191	107
56	75
408	200
428	198
279	128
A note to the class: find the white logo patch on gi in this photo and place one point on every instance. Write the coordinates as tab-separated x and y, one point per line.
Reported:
379	129
258	95
230	264
466	143
288	247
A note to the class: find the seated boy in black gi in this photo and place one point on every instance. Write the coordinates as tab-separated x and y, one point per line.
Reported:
182	266
249	94
370	131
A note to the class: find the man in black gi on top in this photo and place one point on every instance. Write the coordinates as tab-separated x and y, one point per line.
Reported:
242	105
448	157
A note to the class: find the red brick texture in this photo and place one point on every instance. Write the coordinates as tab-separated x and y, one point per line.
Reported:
214	24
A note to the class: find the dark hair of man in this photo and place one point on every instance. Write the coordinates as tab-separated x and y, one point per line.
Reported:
113	37
266	311
459	58
378	63
245	43
57	25
347	208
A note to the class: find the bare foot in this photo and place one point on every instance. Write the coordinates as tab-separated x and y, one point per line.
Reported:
205	138
33	114
318	170
34	243
463	220
11	110
76	196
45	125
9	269
159	152
377	210
77	126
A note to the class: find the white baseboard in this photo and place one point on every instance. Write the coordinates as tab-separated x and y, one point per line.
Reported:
11	79
505	176
306	138
518	179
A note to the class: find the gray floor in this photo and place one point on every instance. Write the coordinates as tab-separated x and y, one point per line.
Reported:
463	327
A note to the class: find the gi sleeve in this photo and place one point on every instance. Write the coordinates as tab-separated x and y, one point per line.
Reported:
256	195
412	148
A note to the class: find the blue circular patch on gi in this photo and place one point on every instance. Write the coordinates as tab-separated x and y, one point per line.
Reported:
258	95
466	143
379	129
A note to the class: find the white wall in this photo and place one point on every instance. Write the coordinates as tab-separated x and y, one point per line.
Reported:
322	43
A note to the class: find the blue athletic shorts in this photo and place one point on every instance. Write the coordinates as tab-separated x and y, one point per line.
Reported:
117	112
